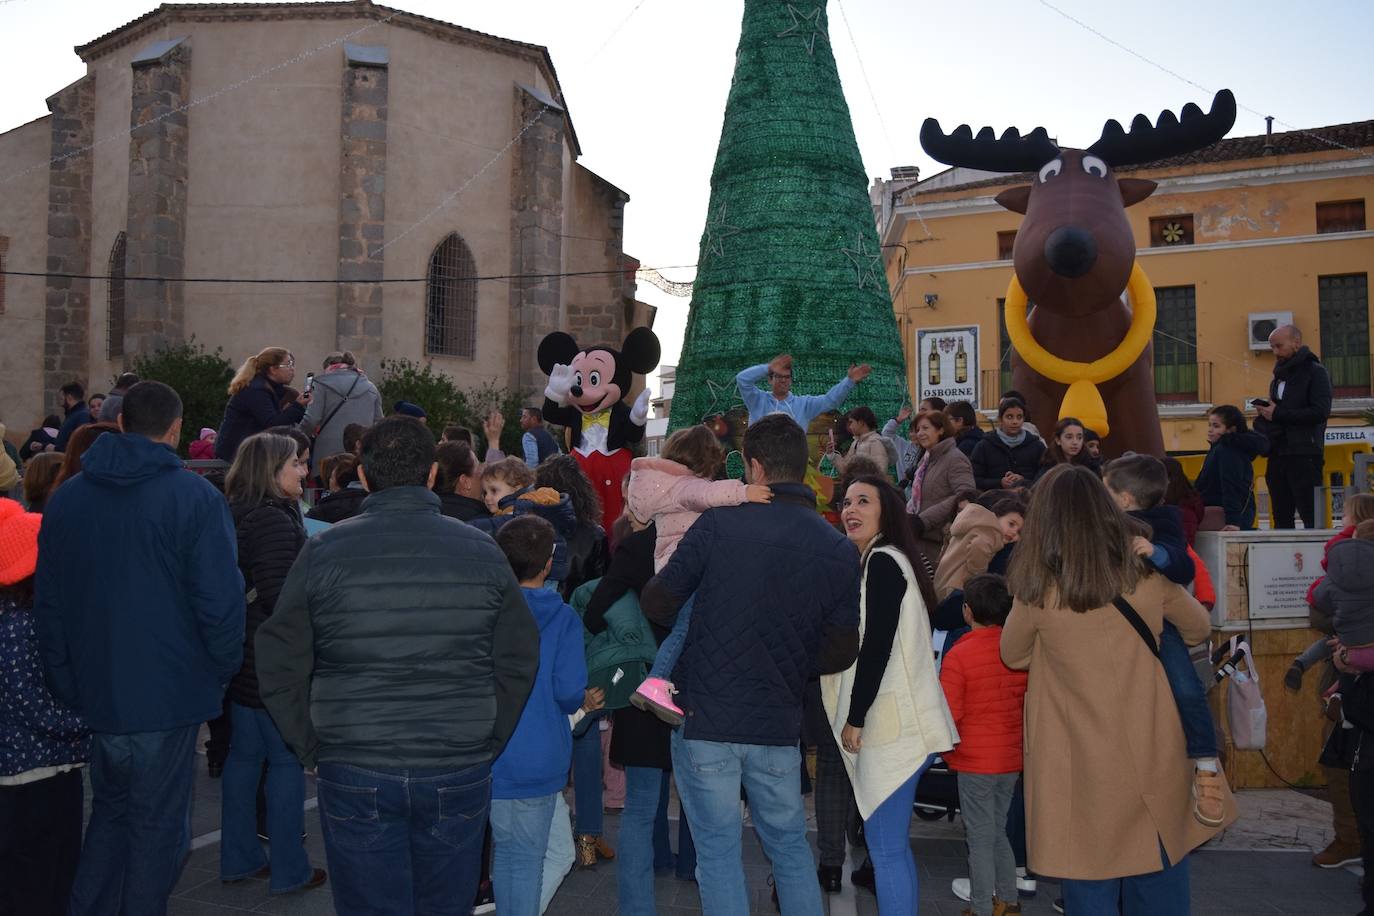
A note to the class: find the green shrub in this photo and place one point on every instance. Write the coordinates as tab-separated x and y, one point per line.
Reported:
201	379
444	402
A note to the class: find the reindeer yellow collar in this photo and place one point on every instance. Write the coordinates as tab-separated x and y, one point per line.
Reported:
1083	400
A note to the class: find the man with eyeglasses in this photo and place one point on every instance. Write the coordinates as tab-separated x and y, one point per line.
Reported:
803	408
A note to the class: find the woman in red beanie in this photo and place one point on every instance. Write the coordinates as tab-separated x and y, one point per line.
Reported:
42	744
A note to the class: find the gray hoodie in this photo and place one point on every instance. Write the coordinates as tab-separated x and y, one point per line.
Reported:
1347	592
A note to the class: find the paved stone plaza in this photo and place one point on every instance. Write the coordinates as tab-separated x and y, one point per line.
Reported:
1258	867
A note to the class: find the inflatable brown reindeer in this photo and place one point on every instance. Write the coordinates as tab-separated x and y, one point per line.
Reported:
1083	351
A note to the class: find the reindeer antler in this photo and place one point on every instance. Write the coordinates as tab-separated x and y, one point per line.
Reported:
1011	153
1170	136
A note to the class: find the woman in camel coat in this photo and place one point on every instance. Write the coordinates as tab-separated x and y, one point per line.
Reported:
1108	779
942	477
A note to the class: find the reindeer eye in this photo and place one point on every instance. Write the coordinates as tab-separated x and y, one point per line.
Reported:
595	379
1094	166
1050	169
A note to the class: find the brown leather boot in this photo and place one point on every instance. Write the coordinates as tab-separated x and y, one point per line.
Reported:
603	849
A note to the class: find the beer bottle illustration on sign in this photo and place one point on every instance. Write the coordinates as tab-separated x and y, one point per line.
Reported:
960	364
933	362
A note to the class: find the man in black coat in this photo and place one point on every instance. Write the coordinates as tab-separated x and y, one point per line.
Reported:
1294	419
398	658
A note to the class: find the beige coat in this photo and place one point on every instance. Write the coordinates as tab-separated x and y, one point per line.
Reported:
974	539
869	445
1107	773
909	719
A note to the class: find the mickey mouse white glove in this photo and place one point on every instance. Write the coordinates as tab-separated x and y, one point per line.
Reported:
639	413
559	388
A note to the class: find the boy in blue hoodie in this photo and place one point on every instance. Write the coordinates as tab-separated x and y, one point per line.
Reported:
533	768
1138	483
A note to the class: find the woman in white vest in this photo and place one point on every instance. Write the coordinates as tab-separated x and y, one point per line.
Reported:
887	710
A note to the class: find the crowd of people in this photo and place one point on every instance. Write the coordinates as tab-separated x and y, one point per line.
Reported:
466	634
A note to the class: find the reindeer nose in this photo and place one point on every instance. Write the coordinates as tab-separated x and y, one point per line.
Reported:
1070	251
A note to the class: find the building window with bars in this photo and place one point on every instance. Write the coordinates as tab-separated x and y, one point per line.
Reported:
114	300
1176	366
1005	242
451	300
1004	382
1340	216
1343	309
1168	231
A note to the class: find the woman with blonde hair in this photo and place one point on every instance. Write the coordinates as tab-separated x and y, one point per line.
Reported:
1104	747
262	488
258	400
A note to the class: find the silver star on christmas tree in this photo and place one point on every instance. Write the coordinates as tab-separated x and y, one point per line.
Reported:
806	26
717	231
866	263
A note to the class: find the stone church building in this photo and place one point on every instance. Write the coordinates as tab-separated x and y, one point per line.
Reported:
343	142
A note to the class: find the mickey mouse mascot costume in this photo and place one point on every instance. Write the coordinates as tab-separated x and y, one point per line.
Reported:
586	393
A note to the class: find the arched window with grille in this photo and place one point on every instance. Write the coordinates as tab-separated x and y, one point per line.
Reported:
114	300
451	300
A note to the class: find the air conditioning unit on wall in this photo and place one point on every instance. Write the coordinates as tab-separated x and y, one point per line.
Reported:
1261	324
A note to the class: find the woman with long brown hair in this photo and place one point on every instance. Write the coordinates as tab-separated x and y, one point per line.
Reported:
1103	736
77	445
258	400
887	710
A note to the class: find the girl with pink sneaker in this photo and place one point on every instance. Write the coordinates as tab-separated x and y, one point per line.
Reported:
672	490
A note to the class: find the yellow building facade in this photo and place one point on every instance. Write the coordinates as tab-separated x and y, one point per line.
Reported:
1236	238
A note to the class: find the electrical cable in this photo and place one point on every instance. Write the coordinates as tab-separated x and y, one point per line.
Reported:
299	280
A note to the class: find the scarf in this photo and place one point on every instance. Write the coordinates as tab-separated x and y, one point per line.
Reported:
1284	368
913	505
1012	441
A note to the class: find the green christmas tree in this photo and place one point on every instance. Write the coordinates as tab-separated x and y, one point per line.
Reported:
789	259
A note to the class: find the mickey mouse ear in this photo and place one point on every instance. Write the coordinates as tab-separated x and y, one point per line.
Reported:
556	349
641	350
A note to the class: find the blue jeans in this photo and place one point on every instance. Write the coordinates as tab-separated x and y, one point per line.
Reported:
403	841
888	832
1189	696
559	857
635	851
1160	893
670	650
140	826
254	738
709	776
586	763
519	839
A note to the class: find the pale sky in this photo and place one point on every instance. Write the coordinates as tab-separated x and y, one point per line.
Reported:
647	100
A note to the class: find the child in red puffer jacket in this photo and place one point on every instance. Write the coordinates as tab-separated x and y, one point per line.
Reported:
985	698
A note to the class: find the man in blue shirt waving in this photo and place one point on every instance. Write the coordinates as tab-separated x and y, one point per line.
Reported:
803	408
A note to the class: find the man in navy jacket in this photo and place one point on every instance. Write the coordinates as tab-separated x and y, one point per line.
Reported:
777	602
142	651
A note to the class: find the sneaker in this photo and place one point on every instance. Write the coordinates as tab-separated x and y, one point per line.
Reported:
1337	855
655	695
486	899
1025	887
1209	793
1293	678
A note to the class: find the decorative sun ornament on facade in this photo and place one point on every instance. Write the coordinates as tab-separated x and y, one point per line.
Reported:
1173	233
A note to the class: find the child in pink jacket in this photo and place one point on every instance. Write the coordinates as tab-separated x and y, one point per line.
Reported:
672	491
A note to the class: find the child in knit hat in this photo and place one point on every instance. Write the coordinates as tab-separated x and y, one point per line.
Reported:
203	449
42	743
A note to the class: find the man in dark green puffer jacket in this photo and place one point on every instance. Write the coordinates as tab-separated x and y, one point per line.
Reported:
399	658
